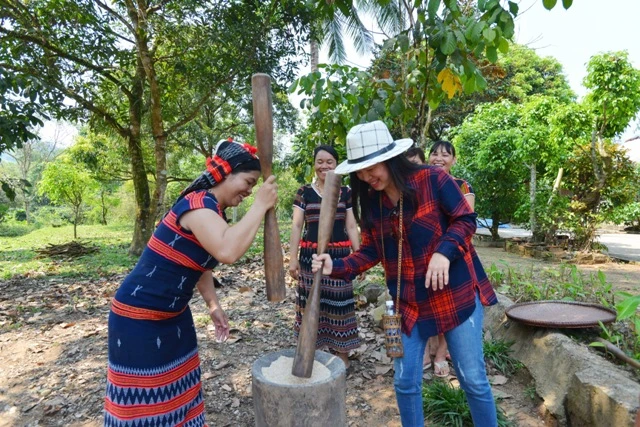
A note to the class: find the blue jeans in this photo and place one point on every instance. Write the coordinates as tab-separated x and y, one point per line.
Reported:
465	347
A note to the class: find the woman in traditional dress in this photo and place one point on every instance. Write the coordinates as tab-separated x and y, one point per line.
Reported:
153	376
416	222
337	326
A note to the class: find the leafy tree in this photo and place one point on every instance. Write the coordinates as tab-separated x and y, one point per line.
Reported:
142	70
31	159
488	145
68	184
20	111
541	154
436	47
588	205
612	102
518	74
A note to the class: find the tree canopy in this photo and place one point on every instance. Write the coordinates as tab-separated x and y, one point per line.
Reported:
143	71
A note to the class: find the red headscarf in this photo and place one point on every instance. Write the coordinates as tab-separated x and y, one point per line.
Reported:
228	156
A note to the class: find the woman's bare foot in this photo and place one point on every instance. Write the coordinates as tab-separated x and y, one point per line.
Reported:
345	358
429	352
440	363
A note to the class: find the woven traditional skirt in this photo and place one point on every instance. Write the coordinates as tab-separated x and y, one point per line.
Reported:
154	369
337	326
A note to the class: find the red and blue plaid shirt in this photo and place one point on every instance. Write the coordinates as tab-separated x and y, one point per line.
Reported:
438	219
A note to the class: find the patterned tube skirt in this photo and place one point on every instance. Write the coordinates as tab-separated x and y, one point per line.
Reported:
153	377
337	326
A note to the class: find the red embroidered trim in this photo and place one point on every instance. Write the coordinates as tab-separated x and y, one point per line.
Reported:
132	312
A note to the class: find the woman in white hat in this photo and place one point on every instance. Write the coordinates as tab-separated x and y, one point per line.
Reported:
415	220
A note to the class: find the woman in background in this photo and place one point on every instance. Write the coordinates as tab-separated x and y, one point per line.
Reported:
337	326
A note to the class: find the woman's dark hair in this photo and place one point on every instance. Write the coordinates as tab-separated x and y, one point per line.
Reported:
329	149
400	168
203	182
446	146
416	151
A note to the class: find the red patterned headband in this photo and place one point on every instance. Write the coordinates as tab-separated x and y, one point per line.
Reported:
229	155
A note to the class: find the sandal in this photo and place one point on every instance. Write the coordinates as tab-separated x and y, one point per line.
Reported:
441	369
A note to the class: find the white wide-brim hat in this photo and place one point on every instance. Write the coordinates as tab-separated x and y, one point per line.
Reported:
369	144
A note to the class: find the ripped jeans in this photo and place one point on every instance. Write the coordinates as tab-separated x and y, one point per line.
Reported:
465	347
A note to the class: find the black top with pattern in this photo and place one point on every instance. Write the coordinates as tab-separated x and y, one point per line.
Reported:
308	199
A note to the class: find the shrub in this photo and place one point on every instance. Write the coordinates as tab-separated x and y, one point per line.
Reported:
628	214
15	229
287	187
498	353
125	211
55	216
447	406
20	215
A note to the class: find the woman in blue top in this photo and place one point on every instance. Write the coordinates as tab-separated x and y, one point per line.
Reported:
154	369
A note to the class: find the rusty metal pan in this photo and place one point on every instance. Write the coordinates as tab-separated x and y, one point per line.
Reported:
561	314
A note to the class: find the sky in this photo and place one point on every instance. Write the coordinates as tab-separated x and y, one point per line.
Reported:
571	36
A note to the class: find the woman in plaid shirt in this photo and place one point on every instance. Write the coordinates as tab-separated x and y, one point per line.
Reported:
443	286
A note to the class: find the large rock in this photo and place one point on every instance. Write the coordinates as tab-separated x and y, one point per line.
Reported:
577	386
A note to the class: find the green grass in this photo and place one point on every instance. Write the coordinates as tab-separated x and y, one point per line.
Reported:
564	282
498	353
18	256
445	405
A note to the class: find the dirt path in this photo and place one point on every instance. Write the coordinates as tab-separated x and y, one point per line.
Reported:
53	349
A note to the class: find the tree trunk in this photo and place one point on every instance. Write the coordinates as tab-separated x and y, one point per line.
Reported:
495	222
143	225
103	208
315	55
598	170
532	201
26	207
76	218
139	18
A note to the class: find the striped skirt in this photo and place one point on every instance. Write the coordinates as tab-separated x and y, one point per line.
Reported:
337	326
153	377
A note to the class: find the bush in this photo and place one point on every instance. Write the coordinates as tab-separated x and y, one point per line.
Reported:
20	215
287	187
55	216
628	214
3	212
15	229
125	211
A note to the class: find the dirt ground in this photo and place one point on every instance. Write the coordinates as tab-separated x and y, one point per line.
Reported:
53	337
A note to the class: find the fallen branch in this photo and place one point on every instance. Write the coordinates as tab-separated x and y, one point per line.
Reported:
618	353
72	249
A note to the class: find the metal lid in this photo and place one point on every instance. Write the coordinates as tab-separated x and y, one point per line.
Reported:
561	314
